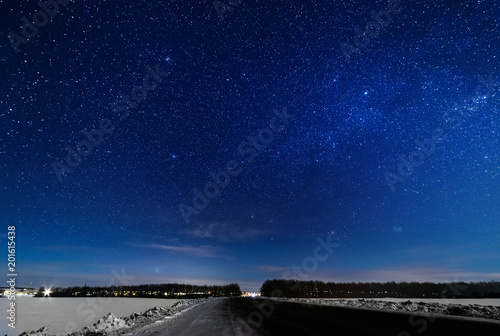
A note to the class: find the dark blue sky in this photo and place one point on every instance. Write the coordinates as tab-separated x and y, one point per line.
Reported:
345	143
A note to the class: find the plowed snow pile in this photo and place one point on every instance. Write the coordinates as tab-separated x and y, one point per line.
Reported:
469	310
110	324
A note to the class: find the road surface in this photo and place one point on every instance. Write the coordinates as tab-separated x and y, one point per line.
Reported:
259	317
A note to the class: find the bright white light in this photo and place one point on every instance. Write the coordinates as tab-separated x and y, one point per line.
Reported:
47	292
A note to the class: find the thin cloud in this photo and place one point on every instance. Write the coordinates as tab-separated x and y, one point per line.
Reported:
77	248
456	252
272	269
203	251
226	232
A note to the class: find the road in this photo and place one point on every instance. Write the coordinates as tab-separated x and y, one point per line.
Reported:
257	317
207	319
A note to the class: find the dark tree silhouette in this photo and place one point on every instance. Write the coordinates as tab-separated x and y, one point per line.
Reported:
151	290
309	289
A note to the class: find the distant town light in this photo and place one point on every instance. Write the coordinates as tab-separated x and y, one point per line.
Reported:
47	292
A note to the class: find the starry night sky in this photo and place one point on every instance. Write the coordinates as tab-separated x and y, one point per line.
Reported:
348	108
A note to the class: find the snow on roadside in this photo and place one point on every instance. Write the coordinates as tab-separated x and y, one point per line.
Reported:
110	324
466	310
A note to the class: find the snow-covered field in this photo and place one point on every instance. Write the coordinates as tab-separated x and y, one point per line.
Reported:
65	315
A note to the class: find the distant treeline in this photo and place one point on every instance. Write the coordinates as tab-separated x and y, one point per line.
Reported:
155	290
306	289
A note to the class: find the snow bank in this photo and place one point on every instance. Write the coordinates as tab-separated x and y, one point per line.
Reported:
470	310
111	324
